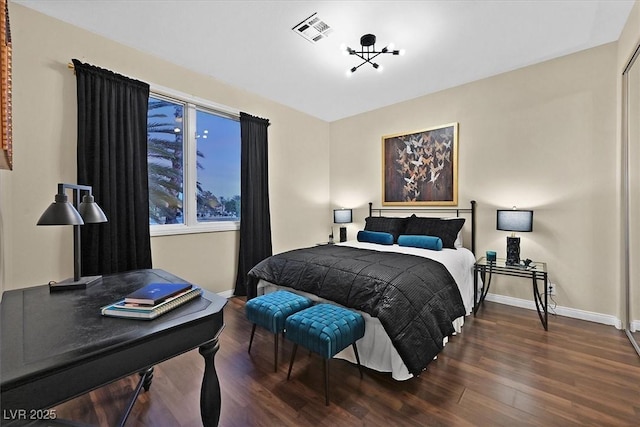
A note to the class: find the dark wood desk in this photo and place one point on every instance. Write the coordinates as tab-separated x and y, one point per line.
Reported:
56	346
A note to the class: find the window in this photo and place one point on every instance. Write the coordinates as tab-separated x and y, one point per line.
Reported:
194	166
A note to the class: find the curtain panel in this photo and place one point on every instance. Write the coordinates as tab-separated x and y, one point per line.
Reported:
112	158
255	219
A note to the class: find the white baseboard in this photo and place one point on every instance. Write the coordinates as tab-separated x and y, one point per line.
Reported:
226	294
590	316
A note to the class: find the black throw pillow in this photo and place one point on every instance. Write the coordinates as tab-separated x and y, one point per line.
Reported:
445	229
393	226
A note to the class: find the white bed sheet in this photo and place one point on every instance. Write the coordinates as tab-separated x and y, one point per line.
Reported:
375	349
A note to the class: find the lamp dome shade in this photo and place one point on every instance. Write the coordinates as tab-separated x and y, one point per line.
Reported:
60	212
90	211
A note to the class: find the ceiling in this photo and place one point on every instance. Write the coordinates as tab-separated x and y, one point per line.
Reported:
251	44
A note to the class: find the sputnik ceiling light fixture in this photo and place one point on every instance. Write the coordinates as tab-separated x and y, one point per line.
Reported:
369	52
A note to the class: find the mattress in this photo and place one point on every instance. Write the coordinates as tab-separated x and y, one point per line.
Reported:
375	349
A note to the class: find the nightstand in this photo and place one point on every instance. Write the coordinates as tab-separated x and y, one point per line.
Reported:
536	271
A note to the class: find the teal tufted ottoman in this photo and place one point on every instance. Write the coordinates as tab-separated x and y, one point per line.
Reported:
270	311
325	329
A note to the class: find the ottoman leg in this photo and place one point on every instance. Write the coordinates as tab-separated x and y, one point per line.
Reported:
253	331
293	356
275	352
355	350
326	382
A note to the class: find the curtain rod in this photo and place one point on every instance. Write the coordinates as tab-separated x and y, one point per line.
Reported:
161	90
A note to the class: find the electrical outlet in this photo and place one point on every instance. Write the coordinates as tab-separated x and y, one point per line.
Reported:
551	288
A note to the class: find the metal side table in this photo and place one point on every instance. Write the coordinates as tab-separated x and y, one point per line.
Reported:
536	271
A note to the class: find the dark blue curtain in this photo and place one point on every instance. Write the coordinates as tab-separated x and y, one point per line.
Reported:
112	158
255	219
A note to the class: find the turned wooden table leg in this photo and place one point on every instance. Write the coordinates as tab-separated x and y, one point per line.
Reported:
147	378
210	399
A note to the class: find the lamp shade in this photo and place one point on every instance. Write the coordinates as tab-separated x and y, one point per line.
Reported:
90	211
342	216
514	220
60	212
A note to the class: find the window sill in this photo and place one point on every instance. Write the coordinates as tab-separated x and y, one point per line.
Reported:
171	230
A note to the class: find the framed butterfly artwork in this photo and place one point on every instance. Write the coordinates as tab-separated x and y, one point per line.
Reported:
421	167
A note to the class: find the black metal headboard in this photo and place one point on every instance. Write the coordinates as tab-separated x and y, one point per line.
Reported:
452	210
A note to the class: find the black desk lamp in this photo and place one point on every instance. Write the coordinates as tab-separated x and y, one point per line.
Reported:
342	216
514	220
61	212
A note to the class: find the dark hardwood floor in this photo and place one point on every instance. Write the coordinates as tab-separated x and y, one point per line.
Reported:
503	370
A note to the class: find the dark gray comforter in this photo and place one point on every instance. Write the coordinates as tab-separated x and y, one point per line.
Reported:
415	298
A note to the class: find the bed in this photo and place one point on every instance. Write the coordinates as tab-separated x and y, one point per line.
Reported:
413	297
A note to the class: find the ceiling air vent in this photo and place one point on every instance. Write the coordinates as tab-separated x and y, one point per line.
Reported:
313	28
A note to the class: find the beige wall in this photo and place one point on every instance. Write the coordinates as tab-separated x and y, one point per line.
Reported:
45	149
542	137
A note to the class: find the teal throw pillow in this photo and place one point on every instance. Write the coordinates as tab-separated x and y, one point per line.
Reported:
378	237
426	242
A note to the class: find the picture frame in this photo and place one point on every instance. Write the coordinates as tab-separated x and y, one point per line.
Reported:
421	167
6	138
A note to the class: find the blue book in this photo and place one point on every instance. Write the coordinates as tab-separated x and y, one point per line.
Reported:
155	293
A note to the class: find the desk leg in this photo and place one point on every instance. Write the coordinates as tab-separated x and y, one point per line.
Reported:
144	382
148	377
210	400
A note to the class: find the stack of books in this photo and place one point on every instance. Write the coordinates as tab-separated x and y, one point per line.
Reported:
152	300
